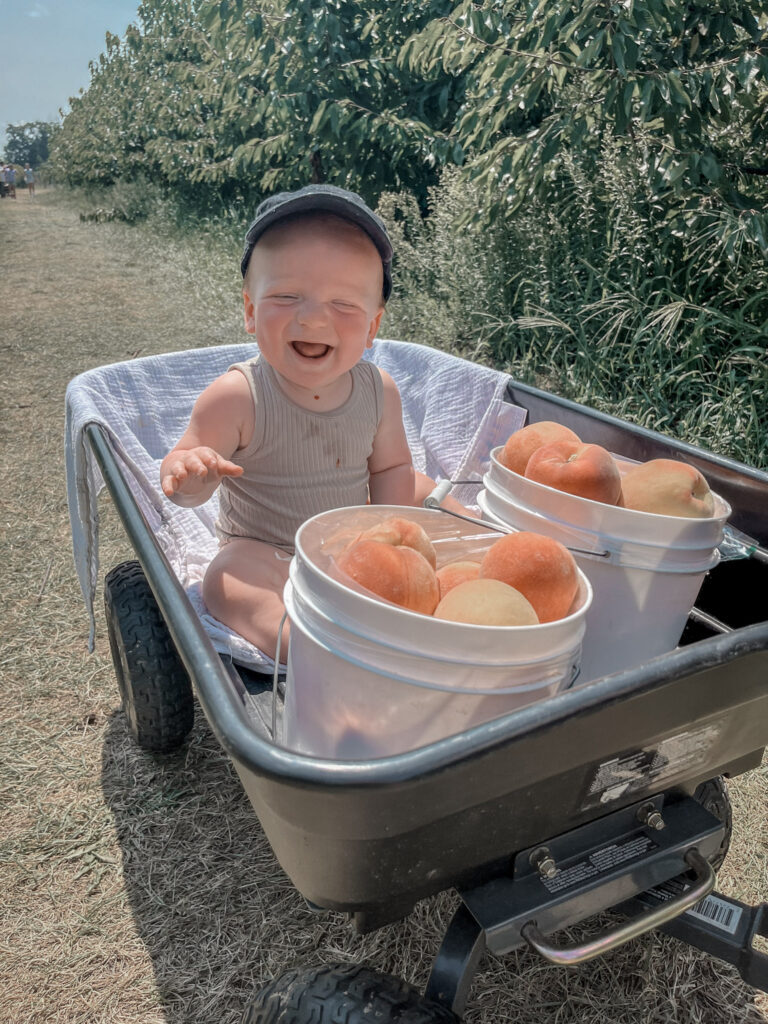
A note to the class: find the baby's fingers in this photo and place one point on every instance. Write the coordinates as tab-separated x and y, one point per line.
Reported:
212	461
227	468
187	471
199	463
173	480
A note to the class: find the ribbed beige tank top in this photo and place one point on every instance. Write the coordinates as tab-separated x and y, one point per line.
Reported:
299	462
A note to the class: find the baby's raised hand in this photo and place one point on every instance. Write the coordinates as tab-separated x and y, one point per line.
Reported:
195	471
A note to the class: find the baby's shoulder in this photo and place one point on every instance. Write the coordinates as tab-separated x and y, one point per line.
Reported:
386	381
225	391
227	402
367	369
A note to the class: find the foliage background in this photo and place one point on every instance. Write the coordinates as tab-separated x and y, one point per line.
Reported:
29	143
578	191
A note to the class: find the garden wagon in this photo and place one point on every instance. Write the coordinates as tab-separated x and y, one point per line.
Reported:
610	795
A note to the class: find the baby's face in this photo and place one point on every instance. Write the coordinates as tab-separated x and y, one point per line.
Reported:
313	299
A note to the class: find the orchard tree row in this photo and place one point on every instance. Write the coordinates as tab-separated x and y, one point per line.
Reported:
244	97
29	143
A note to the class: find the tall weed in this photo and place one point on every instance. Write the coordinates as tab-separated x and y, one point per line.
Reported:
590	297
450	284
126	201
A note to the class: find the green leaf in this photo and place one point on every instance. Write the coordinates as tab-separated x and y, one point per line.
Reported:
677	171
617	48
677	91
318	118
710	166
551	148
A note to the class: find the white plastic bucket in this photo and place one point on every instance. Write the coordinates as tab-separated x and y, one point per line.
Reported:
645	569
367	678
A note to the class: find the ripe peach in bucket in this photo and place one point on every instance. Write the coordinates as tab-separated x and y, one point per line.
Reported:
402	532
453	573
486	603
523	443
394	572
541	568
668	488
586	470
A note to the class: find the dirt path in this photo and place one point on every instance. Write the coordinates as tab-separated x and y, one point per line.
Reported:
138	890
87	890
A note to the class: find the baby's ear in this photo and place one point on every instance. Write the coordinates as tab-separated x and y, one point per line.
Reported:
249	312
374	327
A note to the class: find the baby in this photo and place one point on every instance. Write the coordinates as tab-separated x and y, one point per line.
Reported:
307	425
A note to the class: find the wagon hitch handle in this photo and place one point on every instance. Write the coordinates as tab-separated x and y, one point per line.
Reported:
567	956
435	497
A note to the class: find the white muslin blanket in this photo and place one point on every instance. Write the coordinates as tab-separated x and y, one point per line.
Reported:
454	413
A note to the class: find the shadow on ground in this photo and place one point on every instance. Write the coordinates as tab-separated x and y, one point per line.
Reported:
217	914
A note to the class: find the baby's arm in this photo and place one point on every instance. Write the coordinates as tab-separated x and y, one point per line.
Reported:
221	423
390	464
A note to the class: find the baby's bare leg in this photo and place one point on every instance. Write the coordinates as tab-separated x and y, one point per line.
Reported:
243	588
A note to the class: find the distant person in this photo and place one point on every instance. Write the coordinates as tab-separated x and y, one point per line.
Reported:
11	181
29	180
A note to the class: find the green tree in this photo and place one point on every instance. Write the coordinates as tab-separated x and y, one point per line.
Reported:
147	109
315	90
240	97
99	142
682	86
28	143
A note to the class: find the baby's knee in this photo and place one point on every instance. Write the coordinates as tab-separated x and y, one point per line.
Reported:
215	586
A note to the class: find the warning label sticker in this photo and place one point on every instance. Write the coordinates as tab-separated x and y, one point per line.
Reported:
600	861
639	770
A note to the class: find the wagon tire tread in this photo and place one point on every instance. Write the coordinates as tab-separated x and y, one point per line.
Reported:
154	685
713	796
343	994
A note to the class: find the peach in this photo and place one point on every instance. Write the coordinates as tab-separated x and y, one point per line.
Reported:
541	568
453	573
524	442
405	532
587	470
486	603
394	572
669	488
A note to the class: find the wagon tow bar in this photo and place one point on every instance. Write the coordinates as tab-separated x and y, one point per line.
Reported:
638	862
435	498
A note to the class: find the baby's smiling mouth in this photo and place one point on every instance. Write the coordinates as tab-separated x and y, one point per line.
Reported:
310	349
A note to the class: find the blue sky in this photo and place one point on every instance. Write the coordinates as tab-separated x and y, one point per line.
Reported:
45	48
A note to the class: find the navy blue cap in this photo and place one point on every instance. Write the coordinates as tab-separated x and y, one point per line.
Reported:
326	199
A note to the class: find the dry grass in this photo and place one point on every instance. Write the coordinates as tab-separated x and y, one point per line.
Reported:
137	890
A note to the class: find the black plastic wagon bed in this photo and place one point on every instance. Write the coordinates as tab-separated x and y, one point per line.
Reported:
604	796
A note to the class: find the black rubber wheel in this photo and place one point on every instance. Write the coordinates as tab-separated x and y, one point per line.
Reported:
343	994
154	685
713	796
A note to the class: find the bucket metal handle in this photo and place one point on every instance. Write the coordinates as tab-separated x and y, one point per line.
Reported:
433	501
569	955
276	676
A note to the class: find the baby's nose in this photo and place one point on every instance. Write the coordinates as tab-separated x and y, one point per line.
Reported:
311	312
